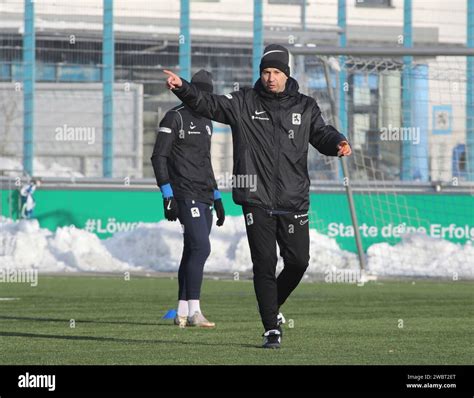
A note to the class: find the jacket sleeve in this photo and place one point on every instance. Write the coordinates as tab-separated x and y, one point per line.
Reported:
214	182
324	137
165	138
213	177
221	108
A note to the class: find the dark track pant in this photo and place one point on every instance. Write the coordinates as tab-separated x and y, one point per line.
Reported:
196	219
264	231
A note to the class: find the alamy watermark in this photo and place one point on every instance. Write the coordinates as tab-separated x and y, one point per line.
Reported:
19	275
37	381
392	133
229	180
75	133
353	276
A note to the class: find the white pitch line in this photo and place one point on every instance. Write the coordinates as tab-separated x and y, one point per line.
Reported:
8	298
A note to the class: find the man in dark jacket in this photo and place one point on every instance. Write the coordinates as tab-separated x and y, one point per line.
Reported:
272	125
182	164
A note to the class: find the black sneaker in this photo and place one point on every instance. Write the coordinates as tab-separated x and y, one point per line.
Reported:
272	338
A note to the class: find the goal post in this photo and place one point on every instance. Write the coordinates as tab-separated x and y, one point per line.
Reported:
405	153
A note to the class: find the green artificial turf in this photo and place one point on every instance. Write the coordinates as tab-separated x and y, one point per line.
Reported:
119	321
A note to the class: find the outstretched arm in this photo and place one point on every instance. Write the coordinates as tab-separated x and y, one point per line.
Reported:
221	108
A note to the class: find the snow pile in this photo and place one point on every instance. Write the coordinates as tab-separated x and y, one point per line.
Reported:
149	247
24	244
13	167
158	247
153	246
421	255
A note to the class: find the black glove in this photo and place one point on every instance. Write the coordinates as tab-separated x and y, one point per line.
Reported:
171	208
219	207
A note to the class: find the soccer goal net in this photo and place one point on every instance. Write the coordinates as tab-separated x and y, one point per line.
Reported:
410	123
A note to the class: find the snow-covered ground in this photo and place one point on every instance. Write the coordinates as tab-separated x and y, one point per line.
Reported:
13	167
158	247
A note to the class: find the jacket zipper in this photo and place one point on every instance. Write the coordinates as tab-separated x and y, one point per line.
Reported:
276	133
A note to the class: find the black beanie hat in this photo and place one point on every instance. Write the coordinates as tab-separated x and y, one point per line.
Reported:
275	56
203	80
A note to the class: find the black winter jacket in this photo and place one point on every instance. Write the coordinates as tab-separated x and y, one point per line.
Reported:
271	133
182	155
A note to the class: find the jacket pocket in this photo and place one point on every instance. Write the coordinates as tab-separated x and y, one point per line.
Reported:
248	173
293	182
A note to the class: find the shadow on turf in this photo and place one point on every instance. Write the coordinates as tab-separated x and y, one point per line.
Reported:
113	339
27	318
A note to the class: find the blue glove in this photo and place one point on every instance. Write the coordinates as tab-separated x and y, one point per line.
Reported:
166	191
169	203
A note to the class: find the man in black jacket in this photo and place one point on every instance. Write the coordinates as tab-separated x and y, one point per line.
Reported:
272	125
182	164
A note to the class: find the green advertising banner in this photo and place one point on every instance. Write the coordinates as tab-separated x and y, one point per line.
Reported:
381	217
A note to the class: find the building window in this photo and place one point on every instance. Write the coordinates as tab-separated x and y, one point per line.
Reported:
373	3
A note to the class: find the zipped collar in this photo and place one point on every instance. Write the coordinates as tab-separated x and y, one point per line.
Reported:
291	90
